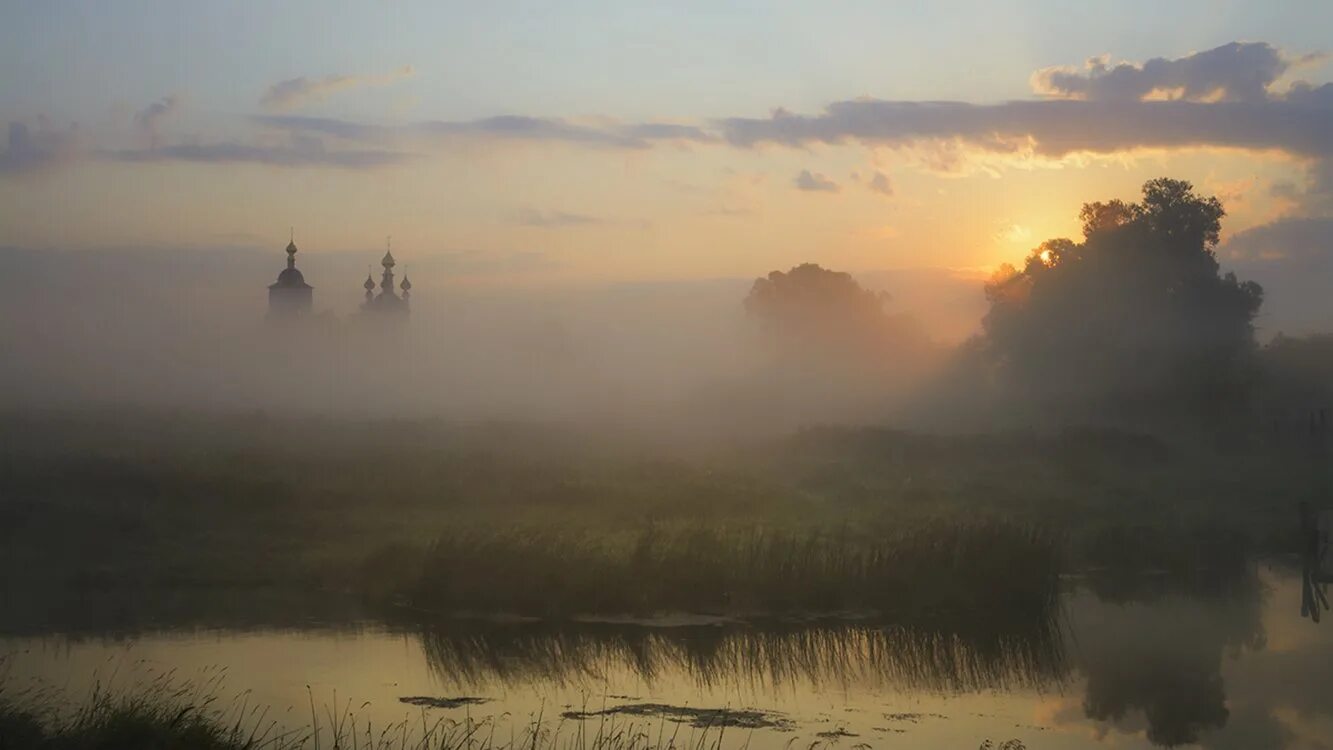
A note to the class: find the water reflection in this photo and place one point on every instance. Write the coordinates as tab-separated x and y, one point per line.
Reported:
1157	661
1223	663
757	657
1315	573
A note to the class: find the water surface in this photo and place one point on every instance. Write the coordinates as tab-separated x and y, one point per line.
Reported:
1223	666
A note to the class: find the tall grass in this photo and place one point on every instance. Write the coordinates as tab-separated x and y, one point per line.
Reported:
919	572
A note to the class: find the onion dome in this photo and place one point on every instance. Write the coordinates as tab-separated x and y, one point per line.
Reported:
370	284
388	261
406	285
291	247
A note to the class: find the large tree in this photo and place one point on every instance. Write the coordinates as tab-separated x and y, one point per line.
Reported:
821	316
1136	318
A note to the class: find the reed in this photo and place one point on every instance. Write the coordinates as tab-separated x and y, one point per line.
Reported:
917	572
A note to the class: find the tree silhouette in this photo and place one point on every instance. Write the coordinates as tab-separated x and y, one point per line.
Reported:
818	315
1136	318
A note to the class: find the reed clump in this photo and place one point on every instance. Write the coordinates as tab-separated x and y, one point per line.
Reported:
919	571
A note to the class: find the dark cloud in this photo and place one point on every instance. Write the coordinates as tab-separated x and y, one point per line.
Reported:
301	152
149	118
1302	92
815	182
1221	97
1305	239
1239	71
1292	258
1052	128
29	150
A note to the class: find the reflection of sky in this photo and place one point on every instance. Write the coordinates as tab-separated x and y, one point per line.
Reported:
1269	668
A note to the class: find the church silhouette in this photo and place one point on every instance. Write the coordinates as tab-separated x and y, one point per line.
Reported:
291	297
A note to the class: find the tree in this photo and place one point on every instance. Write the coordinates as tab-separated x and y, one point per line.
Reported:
815	314
1137	317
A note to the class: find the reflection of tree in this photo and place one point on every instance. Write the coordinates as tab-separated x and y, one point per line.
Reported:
1165	659
1180	693
760	656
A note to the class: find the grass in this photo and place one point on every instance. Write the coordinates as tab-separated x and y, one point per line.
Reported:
513	518
917	572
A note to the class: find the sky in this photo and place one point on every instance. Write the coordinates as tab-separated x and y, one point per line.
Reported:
632	141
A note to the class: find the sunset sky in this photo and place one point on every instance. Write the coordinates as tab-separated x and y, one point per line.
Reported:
632	141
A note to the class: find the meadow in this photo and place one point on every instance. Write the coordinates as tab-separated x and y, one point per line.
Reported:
558	522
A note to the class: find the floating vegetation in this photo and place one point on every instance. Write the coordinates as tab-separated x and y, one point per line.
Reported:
699	718
428	702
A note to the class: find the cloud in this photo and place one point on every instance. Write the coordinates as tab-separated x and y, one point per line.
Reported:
1239	71
815	182
1220	98
879	183
517	127
149	118
323	126
297	92
665	131
29	151
521	128
531	217
1223	98
1292	258
1050	128
301	152
1305	239
501	128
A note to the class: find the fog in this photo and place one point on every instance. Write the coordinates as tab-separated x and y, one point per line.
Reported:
1136	325
187	329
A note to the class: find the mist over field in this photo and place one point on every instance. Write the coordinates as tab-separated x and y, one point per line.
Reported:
186	329
638	376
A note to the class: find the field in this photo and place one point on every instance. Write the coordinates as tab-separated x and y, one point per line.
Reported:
510	518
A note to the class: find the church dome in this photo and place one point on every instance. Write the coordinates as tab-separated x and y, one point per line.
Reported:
291	277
